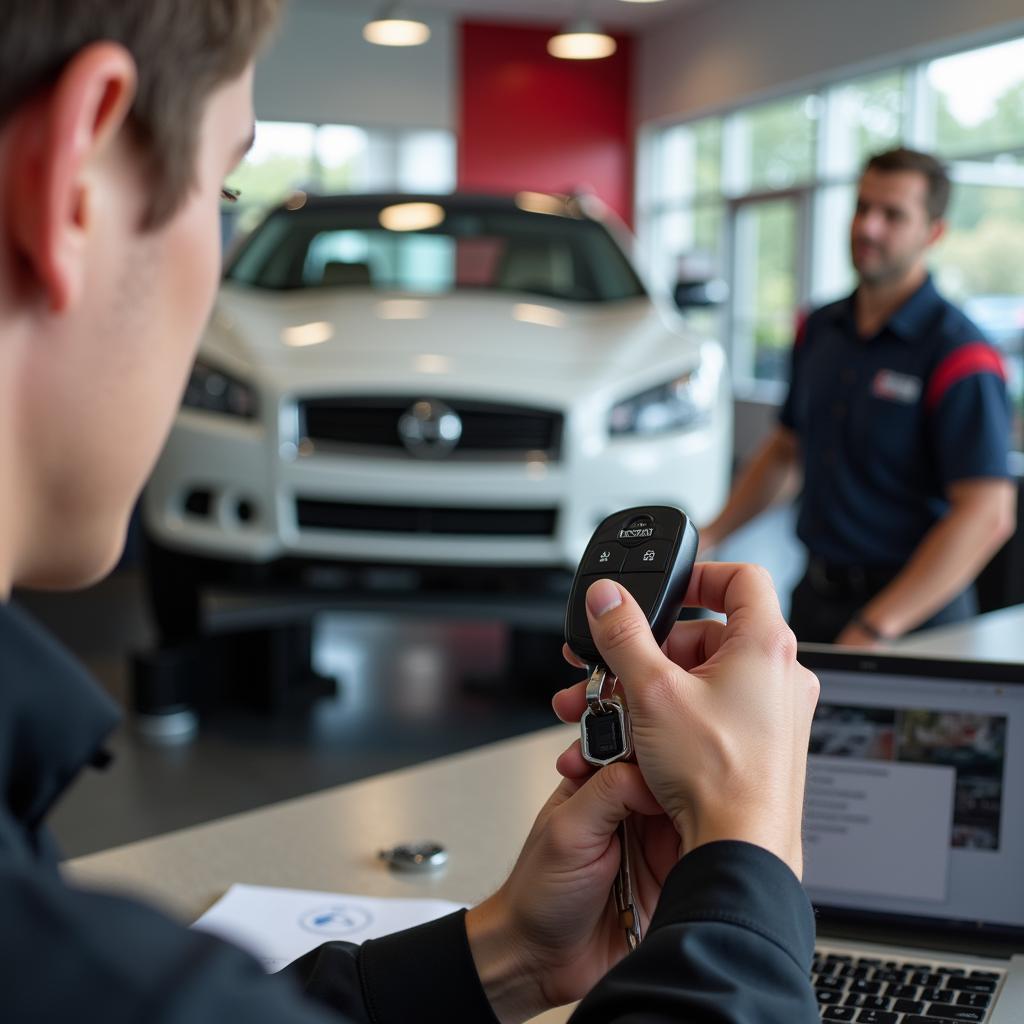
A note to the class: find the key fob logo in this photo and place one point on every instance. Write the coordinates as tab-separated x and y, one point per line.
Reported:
639	528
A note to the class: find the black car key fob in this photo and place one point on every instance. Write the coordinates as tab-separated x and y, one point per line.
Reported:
650	550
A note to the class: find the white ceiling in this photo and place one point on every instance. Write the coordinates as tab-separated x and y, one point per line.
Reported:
612	13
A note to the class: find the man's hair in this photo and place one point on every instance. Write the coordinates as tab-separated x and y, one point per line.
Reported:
184	50
933	170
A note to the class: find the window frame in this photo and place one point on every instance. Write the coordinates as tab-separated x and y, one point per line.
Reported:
916	128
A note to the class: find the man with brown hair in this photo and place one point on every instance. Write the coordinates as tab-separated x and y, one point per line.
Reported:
118	123
896	424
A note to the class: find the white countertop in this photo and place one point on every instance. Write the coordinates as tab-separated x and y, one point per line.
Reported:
994	636
479	804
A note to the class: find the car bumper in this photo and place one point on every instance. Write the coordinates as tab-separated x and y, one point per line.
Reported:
240	491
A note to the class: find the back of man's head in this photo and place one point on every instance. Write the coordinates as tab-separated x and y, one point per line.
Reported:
901	159
183	50
119	121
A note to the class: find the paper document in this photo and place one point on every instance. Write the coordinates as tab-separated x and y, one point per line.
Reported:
279	925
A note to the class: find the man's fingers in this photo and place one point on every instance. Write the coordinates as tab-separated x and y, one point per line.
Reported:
570	656
623	635
570	764
570	703
609	796
744	592
692	643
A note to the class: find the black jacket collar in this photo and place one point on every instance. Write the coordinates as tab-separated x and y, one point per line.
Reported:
53	718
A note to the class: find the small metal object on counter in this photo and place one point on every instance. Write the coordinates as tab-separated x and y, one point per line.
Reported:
417	857
176	726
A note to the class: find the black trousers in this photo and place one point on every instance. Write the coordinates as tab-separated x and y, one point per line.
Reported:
828	597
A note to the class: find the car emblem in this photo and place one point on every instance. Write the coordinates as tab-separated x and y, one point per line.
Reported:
430	429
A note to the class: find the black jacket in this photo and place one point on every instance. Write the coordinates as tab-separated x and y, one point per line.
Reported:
731	941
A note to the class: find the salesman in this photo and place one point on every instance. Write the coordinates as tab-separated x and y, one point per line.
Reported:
896	426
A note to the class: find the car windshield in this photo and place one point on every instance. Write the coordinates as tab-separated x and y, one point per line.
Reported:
427	247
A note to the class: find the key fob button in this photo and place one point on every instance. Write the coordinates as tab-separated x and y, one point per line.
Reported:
606	557
645	588
651	556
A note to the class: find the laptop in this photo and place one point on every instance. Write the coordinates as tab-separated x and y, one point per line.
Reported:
914	838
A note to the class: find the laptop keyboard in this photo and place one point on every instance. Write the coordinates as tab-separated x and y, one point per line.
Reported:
870	990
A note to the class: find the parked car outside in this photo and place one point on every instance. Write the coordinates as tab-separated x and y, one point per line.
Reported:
460	386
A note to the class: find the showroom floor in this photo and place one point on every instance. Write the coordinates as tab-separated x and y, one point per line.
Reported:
411	689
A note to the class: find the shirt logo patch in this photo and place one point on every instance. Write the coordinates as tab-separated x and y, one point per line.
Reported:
896	387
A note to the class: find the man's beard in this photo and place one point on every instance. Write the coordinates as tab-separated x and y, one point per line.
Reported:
882	271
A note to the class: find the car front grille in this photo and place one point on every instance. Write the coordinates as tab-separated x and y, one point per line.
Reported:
488	428
317	514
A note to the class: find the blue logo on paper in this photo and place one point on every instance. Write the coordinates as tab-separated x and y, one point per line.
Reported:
336	921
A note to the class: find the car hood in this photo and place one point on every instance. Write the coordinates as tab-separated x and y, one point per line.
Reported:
464	342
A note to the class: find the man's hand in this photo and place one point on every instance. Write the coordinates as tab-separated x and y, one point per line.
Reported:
721	717
982	516
855	635
552	931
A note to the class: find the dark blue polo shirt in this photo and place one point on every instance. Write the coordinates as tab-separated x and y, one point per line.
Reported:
885	424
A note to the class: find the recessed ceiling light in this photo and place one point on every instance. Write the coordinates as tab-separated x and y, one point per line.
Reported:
581	40
387	30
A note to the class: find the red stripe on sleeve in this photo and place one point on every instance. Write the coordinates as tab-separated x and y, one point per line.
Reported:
975	357
801	327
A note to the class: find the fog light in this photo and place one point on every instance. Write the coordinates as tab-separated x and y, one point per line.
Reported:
245	510
198	502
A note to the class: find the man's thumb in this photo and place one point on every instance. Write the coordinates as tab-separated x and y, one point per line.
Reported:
623	635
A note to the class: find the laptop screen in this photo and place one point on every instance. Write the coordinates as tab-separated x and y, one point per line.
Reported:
915	790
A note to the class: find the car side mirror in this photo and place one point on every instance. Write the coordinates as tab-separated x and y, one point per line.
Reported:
690	294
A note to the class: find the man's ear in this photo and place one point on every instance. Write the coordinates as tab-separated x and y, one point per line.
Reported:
936	230
57	143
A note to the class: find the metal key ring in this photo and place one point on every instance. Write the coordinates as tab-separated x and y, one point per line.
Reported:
596	685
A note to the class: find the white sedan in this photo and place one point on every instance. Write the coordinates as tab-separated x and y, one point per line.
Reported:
454	385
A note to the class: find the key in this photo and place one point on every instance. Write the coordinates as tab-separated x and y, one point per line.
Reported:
650	551
979	999
604	739
622	889
876	1017
982	985
944	1011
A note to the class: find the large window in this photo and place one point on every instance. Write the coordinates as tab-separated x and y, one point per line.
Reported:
289	156
763	195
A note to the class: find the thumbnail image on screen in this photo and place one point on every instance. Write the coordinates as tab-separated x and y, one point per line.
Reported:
972	744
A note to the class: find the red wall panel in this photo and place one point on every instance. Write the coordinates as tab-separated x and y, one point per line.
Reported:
530	121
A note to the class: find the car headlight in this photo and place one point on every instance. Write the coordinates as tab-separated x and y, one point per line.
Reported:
212	390
681	404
